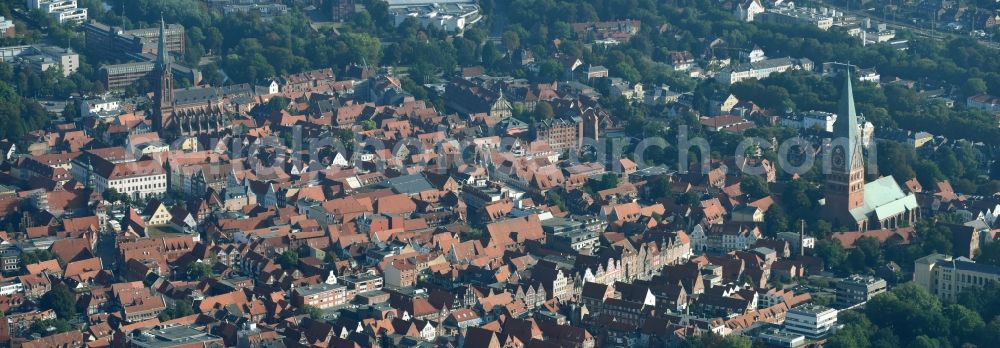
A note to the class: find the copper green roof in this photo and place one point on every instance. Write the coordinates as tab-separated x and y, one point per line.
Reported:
884	198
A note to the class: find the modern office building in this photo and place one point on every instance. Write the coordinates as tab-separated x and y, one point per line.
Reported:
858	289
578	233
172	336
321	295
118	76
62	10
114	42
810	320
42	57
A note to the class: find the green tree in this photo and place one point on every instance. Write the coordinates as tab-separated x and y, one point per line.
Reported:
820	228
288	260
549	70
275	104
796	198
363	48
543	111
988	335
49	327
831	252
472	234
199	270
36	256
974	86
554	199
60	300
606	181
855	333
871	248
989	253
658	188
911	311
181	308
923	341
211	75
70	112
755	187
112	195
895	159
511	40
609	181
934	238
490	55
927	172
966	324
710	340
466	50
775	220
379	10
312	312
626	71
985	300
689	198
363	21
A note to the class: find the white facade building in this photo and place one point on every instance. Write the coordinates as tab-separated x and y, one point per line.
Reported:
62	10
761	69
822	18
810	320
139	179
98	106
78	15
445	16
10	287
57	6
811	119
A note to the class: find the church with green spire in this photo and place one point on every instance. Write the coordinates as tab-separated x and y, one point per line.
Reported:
849	201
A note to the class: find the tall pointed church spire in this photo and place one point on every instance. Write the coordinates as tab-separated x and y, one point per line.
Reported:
164	93
846	180
846	126
162	58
